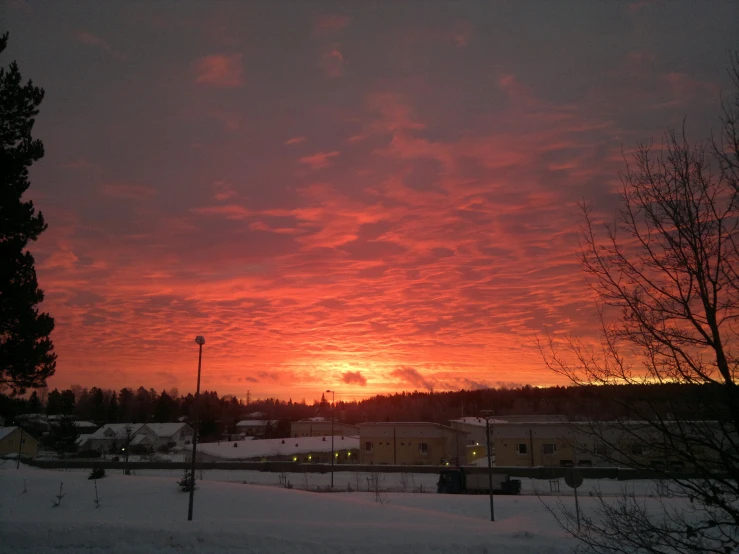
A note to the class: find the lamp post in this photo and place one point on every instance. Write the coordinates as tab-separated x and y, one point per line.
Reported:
200	341
332	436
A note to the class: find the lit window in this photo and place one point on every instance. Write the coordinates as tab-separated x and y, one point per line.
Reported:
521	448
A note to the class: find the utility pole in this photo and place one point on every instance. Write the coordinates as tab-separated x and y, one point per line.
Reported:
490	468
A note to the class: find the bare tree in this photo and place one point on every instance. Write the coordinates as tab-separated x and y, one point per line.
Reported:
665	274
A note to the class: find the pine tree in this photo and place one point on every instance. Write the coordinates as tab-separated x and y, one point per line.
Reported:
27	358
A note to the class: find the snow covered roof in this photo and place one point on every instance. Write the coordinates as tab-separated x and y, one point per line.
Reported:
5	431
84	424
276	447
478	421
166	429
116	431
256	422
140	439
415	424
317	418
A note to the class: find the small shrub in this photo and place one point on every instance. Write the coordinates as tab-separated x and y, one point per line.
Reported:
98	472
56	503
186	483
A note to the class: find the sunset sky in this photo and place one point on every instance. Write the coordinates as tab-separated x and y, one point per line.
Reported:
363	196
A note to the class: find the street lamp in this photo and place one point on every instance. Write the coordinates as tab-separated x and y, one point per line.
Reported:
332	436
200	341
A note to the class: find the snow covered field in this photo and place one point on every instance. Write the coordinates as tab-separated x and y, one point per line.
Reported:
148	514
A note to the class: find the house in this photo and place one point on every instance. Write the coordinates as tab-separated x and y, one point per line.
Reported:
300	450
83	427
320	426
13	439
255	427
113	436
411	443
172	434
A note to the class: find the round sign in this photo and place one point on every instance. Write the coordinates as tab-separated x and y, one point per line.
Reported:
573	478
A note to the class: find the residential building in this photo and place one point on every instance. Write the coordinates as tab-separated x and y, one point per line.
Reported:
255	427
172	434
13	439
112	436
320	426
411	443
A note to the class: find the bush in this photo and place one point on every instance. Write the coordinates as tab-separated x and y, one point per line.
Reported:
98	472
186	483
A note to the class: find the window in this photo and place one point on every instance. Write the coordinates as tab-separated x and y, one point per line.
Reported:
368	446
637	449
601	449
423	448
521	448
549	448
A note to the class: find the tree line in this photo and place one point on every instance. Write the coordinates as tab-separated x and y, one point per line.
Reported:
219	414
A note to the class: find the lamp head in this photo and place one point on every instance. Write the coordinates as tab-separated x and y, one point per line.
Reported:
200	340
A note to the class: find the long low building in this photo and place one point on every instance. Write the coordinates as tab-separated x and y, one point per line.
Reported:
301	449
320	426
411	443
623	444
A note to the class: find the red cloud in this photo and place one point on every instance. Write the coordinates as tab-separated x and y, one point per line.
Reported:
295	140
319	160
331	23
136	192
354	378
219	70
332	62
462	32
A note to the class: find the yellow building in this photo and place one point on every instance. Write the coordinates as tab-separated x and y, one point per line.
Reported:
583	444
319	427
14	438
417	443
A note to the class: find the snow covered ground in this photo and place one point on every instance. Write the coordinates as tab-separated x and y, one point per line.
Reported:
148	514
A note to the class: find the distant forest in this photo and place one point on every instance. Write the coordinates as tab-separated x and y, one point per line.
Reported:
219	414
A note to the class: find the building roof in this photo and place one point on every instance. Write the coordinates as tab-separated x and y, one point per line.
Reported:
140	439
116	431
5	431
166	429
256	422
410	424
276	447
477	421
